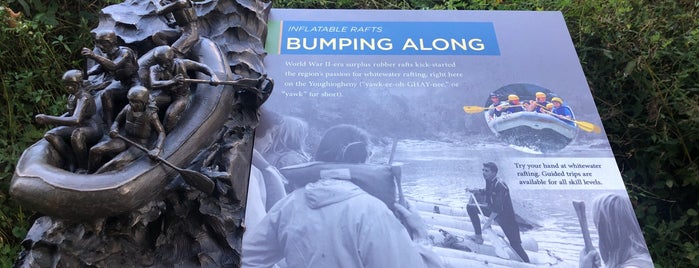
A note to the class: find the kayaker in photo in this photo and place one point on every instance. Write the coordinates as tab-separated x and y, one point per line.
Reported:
562	111
76	130
332	222
497	207
621	243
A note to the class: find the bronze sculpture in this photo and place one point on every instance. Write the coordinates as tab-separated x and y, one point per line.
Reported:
137	120
118	63
140	213
168	76
77	124
180	13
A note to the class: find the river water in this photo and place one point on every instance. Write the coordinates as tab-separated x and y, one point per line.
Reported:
440	172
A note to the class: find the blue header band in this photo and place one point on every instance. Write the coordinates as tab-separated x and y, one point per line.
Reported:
387	38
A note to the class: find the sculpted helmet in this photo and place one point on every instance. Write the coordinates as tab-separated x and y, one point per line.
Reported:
138	93
73	76
106	35
512	97
163	54
557	99
541	95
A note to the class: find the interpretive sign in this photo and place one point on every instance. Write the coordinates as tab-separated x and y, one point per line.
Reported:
475	131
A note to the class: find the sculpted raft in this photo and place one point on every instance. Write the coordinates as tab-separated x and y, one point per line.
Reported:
150	205
41	185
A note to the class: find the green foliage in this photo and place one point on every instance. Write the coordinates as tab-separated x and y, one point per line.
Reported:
35	49
25	88
642	63
13	228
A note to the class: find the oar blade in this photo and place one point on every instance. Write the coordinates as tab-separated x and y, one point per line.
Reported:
473	109
193	178
589	127
198	180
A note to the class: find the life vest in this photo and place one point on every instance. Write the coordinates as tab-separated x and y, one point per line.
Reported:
139	127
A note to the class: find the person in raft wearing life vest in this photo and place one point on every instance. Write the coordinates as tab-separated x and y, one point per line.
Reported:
118	63
167	79
334	223
497	207
562	111
538	105
495	102
139	122
514	106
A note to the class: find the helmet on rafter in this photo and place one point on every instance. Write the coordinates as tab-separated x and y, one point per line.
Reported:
138	93
106	35
163	54
73	76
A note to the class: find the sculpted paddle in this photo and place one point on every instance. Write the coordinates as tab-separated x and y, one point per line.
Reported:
193	178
